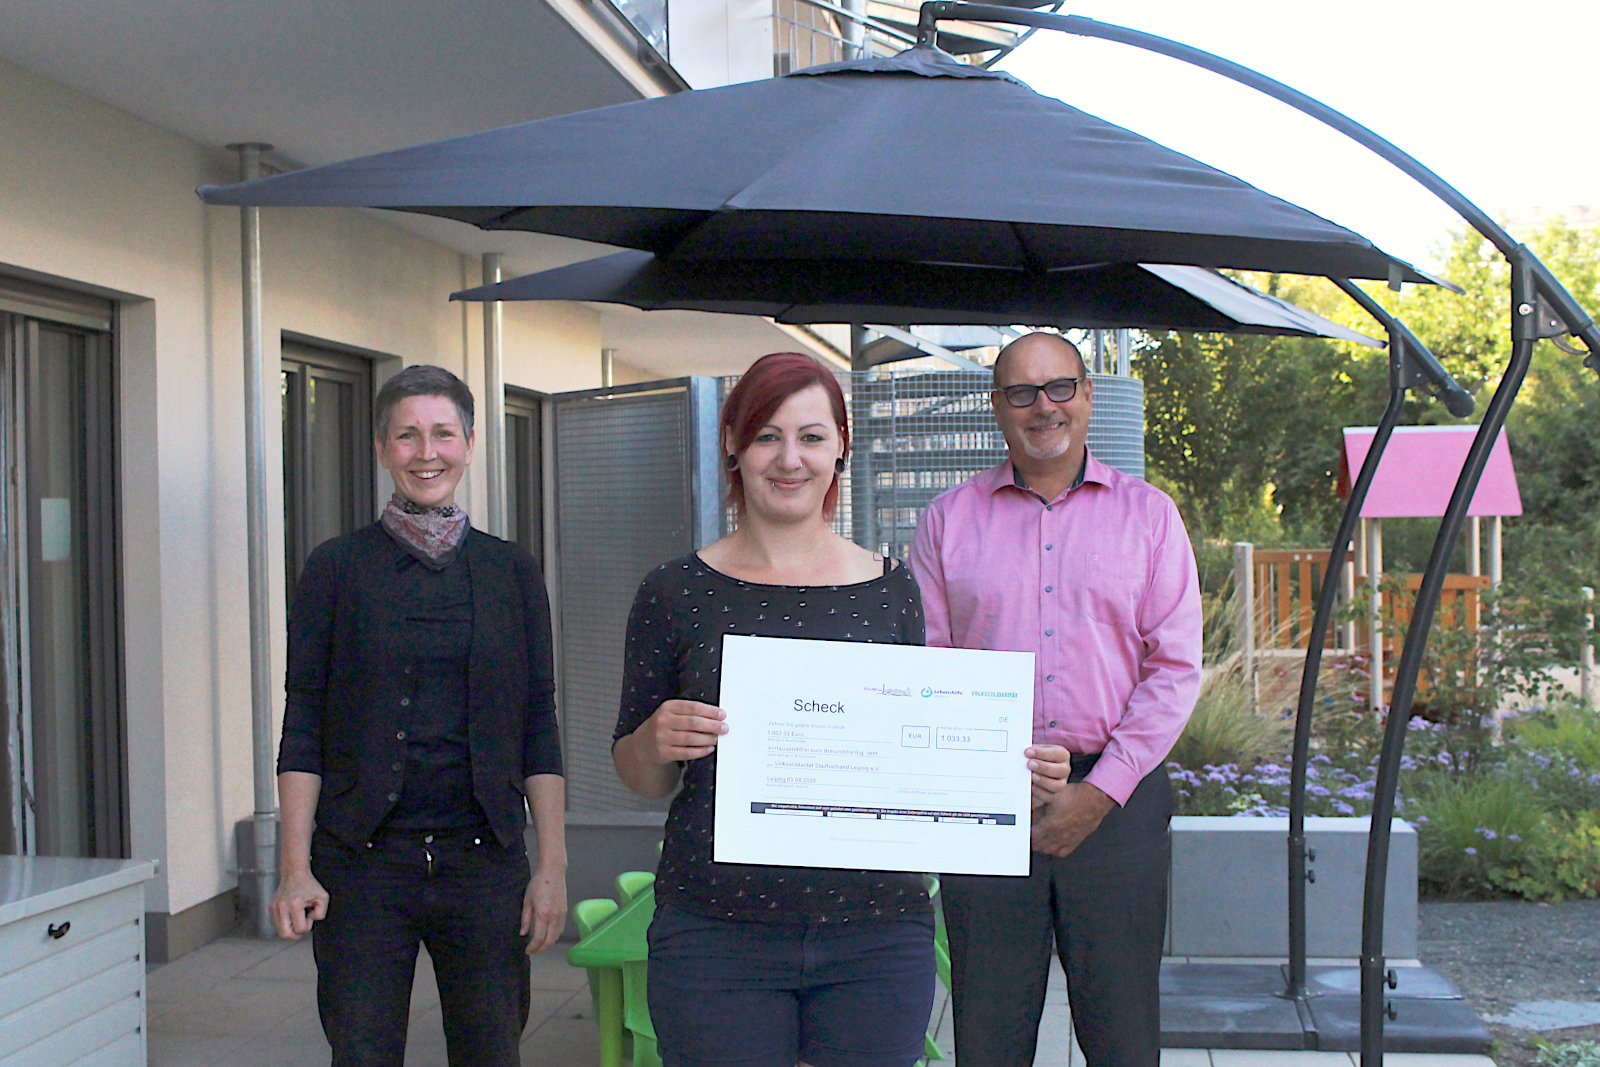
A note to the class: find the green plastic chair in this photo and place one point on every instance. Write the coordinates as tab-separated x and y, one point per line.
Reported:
609	949
605	983
941	960
636	1014
631	883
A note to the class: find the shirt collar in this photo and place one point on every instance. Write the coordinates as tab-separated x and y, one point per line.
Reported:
1006	475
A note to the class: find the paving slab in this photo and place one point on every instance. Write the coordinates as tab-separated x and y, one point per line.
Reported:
1239	1057
1224	1022
1430	1026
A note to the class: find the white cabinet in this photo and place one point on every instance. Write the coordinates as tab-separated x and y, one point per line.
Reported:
72	961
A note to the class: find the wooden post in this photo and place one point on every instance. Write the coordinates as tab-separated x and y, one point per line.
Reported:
1244	609
1375	614
1494	554
1586	664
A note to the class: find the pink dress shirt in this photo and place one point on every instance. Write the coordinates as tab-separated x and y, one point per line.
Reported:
1099	583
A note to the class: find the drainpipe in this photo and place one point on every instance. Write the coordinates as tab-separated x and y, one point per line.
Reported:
492	427
260	880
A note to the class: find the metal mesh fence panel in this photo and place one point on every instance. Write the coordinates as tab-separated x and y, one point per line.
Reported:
622	509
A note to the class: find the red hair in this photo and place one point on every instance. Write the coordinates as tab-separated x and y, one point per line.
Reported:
758	395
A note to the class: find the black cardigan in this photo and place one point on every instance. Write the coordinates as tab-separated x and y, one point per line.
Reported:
344	678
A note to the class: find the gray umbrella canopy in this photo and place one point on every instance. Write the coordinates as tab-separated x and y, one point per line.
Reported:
1141	296
868	160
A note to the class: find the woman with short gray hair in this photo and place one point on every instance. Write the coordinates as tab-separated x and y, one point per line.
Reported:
419	731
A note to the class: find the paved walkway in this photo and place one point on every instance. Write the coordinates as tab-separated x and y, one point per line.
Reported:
239	1003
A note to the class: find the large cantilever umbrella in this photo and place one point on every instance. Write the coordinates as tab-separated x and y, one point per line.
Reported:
868	161
1144	296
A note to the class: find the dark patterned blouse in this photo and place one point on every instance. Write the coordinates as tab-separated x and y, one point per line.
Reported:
674	650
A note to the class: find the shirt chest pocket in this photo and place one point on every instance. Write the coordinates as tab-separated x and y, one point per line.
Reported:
1108	585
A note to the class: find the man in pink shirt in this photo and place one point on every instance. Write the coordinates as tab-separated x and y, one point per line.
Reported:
1054	553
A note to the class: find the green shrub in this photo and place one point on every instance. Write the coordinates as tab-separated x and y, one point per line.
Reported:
1575	1054
1565	862
1562	727
1225	729
1470	825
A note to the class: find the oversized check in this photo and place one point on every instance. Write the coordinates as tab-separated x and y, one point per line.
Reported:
874	757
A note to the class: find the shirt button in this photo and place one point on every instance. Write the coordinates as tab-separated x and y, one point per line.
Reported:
399	767
1049	588
1048	547
1052	722
1049	677
405	702
1049	507
428	840
410	669
393	797
400	736
1049	633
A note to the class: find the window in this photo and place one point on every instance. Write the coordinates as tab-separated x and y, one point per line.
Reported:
64	770
327	450
524	473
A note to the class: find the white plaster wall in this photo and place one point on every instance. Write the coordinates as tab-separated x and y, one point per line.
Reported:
720	42
95	198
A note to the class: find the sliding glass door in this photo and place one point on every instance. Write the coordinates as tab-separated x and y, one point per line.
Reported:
65	788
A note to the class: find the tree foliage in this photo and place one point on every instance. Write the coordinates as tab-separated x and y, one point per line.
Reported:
1245	431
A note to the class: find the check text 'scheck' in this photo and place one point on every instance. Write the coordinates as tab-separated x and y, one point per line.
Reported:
874	757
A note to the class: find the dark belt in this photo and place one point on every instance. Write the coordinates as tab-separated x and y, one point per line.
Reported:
1082	764
424	836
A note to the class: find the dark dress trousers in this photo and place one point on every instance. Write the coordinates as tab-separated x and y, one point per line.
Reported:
424	699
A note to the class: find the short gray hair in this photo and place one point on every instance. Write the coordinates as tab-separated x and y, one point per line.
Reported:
421	380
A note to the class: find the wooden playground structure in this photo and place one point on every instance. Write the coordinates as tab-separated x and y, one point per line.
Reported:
1275	590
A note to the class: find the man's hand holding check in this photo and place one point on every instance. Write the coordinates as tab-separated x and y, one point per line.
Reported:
1064	813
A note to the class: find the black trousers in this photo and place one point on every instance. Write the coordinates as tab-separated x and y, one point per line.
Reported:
1105	907
459	893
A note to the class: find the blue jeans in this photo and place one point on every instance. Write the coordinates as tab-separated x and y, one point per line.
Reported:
459	892
771	994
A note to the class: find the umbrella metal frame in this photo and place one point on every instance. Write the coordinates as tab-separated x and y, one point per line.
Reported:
1541	307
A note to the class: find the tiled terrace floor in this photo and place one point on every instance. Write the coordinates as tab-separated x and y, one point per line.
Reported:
240	1003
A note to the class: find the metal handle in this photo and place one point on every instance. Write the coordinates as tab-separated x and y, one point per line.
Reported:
58	932
1391	979
1311	876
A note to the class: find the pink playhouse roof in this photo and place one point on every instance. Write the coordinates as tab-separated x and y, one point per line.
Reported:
1419	470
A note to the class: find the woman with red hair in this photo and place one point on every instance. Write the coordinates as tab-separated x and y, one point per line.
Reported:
755	965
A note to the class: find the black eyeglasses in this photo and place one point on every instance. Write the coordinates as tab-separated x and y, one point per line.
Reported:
1023	396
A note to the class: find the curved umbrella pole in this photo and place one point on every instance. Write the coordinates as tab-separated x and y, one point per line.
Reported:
1332	574
1410	364
1541	307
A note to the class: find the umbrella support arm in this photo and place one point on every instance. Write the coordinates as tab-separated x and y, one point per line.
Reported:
1410	364
1299	872
1374	976
1564	313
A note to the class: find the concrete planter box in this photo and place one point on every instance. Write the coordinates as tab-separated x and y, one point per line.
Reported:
1230	896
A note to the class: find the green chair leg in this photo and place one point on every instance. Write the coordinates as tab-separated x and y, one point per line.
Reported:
589	916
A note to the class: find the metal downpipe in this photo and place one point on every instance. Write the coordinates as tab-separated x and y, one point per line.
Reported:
259	880
1332	575
492	428
1374	976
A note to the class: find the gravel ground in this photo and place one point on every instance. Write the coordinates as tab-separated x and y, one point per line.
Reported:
1503	954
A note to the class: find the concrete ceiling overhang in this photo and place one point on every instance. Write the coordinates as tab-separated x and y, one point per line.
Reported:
335	79
323	81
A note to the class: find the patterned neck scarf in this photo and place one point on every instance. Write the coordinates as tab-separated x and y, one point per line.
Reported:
433	535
